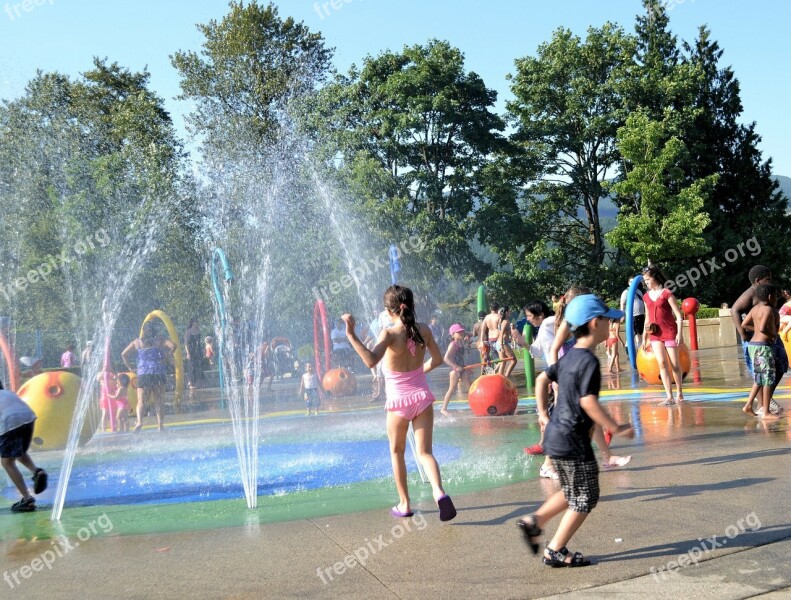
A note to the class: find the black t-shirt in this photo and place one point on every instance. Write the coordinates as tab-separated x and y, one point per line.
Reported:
568	434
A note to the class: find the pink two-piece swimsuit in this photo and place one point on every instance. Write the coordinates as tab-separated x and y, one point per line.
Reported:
407	392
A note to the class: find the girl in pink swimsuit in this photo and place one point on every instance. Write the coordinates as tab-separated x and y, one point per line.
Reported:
402	348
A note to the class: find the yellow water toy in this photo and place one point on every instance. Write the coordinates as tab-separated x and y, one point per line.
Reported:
53	397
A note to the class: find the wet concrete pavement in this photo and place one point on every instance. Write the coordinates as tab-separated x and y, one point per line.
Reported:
701	511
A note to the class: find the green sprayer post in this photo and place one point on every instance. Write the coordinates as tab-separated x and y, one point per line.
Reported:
483	301
530	373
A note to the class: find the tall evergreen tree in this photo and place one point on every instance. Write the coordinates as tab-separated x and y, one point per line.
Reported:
661	84
746	201
567	109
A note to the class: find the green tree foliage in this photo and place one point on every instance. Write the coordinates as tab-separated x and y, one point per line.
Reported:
656	223
413	131
746	201
86	165
568	106
258	199
252	63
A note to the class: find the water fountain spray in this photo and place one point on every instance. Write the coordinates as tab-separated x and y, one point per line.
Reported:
218	254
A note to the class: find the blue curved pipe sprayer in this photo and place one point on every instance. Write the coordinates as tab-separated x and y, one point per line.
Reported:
629	310
395	264
218	254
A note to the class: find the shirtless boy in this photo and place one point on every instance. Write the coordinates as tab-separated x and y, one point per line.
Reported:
764	321
490	332
758	275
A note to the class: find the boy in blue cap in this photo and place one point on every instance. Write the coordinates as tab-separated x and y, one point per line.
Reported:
567	435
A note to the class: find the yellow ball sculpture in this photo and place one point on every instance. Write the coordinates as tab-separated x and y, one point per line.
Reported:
53	397
648	367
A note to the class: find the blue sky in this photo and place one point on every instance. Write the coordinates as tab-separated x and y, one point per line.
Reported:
64	35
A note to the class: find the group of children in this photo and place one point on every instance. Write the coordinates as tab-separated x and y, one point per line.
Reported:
761	331
568	424
113	398
568	431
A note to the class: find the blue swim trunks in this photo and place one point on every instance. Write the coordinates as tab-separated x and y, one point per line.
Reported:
763	362
780	358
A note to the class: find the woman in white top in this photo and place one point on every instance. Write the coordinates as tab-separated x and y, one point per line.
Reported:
539	315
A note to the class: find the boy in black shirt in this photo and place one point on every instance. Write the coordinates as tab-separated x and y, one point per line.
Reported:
567	435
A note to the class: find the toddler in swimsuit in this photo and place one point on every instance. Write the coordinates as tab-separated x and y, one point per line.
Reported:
402	349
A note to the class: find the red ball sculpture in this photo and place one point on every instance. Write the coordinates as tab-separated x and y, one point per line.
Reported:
339	382
648	367
492	395
690	306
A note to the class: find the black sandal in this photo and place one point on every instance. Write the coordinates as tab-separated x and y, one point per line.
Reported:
557	558
531	532
23	505
39	481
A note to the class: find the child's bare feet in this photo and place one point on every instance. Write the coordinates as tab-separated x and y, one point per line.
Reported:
748	408
445	412
769	417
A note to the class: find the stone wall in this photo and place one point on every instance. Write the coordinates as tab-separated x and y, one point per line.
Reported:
712	333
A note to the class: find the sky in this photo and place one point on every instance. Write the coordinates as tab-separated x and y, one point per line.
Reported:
64	36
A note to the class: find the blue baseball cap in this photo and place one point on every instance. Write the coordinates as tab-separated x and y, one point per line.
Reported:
586	307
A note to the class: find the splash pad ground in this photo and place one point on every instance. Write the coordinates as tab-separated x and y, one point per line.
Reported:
326	487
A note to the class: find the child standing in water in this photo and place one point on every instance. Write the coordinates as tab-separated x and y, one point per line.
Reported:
454	358
121	402
763	320
403	347
309	387
503	347
107	387
613	356
208	350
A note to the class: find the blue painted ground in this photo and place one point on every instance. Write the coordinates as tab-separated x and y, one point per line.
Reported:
201	474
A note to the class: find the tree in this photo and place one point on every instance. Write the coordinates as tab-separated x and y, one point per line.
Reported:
661	84
252	64
656	224
568	106
89	169
745	203
412	132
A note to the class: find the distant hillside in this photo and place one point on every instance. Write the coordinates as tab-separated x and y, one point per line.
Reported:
608	210
785	186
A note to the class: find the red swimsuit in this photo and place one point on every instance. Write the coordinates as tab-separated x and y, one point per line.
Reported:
658	311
